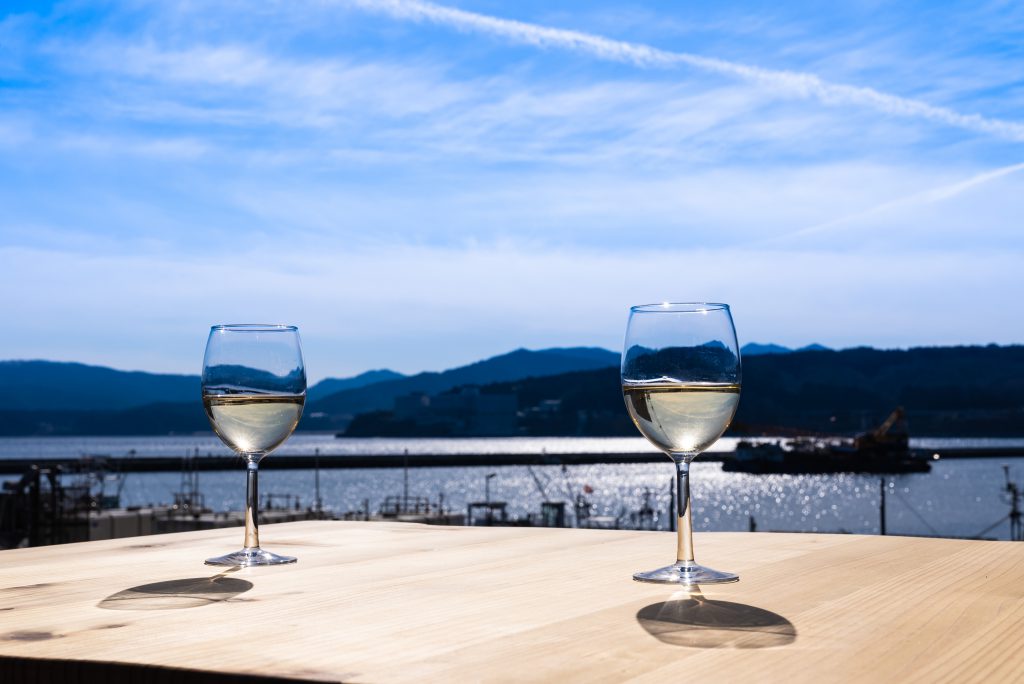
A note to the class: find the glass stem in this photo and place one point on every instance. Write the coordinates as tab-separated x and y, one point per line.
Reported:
684	511
252	502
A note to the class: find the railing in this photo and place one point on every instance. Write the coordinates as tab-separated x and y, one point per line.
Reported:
394	506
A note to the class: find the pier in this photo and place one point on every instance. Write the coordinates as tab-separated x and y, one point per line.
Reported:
210	463
162	464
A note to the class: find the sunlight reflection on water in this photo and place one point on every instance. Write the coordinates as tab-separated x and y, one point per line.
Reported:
958	498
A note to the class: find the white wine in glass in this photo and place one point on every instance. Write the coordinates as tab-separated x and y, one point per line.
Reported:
681	418
681	384
254	388
253	423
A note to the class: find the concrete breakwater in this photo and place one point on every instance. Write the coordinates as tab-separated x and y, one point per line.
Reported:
210	463
158	464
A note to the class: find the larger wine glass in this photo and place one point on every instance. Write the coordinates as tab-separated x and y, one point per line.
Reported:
681	384
254	387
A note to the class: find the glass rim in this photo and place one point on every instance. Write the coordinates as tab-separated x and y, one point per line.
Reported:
254	327
679	307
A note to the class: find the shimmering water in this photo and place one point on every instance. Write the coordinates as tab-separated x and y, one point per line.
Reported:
960	497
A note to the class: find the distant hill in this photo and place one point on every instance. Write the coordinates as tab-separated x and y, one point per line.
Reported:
182	418
60	386
521	363
52	385
956	391
946	390
55	398
330	386
756	349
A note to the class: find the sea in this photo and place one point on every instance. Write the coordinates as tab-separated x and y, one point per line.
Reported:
964	497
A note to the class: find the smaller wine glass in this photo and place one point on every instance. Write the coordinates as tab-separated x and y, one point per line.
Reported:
681	383
254	388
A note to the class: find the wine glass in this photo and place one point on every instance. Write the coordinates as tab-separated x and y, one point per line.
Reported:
681	383
254	387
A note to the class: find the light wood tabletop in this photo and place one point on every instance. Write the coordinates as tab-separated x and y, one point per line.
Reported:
397	602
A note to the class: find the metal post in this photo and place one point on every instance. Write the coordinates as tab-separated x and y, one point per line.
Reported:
881	507
56	512
487	487
316	471
1016	533
33	493
405	478
195	482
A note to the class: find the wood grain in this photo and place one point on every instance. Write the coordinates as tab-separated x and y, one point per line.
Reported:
388	602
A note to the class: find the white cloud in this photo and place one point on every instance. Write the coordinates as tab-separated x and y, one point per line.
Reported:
395	110
437	307
907	204
14	133
409	208
688	207
161	148
312	91
248	103
796	84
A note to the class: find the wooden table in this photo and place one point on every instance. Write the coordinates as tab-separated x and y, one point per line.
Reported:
380	602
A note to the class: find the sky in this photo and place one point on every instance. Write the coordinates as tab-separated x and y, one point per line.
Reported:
419	185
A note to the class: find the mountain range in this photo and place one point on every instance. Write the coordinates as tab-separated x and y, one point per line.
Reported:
979	389
521	363
55	398
61	386
946	391
329	386
67	386
756	349
55	386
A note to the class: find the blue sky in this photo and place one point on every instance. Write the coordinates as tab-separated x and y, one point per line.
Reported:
421	185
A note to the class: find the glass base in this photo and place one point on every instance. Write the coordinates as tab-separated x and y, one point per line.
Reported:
251	556
686	573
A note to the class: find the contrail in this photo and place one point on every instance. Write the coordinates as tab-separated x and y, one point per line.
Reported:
797	84
924	197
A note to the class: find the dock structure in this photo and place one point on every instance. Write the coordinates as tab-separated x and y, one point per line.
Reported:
390	602
168	464
118	523
82	502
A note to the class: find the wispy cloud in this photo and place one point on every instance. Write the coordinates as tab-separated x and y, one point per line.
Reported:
388	112
307	90
924	197
796	84
419	153
461	304
160	148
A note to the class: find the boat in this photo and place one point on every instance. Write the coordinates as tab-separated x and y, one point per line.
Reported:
884	450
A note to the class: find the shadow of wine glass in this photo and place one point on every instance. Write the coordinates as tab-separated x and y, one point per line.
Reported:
175	594
691	619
